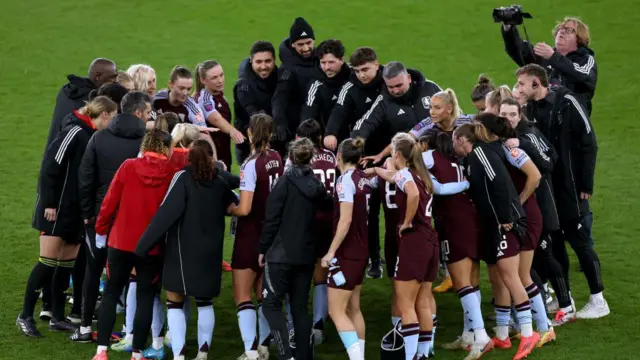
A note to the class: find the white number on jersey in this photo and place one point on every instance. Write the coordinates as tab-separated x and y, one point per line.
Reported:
389	192
429	209
272	180
459	171
330	175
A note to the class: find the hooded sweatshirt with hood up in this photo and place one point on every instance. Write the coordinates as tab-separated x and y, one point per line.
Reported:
134	196
287	232
106	151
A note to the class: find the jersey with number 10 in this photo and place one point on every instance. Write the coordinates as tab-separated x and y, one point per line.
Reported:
258	174
422	219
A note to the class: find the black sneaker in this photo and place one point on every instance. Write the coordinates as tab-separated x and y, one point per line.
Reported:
79	337
374	270
28	327
62	325
74	319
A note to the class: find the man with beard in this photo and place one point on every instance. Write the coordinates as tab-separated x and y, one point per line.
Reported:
323	93
299	68
252	93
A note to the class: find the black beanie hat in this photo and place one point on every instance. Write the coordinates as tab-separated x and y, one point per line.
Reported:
300	30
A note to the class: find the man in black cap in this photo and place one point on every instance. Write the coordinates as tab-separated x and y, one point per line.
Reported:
299	67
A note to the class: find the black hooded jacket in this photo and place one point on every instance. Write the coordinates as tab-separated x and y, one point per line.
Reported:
252	95
72	96
322	95
294	75
106	151
390	115
192	220
577	71
287	232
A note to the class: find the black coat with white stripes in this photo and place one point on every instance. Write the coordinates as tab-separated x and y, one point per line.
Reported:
354	100
58	180
390	115
565	123
191	220
544	156
577	71
322	95
492	190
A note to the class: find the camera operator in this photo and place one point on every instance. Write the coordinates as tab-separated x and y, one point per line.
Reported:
571	63
563	121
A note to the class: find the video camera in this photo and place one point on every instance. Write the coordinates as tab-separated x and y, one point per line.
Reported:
510	15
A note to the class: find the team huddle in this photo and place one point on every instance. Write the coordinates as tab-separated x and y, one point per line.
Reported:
138	184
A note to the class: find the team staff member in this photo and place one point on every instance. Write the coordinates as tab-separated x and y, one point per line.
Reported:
106	151
347	255
562	119
132	200
571	63
252	93
192	215
354	100
405	102
544	263
258	174
176	98
74	94
287	247
209	94
299	67
322	94
498	202
57	215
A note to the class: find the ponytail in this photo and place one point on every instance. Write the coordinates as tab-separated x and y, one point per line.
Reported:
411	151
495	97
184	134
97	106
201	72
199	84
261	126
202	161
475	132
351	150
449	97
496	126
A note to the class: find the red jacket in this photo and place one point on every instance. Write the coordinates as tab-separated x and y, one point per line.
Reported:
179	158
134	196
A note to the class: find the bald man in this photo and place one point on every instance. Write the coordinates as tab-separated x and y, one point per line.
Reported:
73	95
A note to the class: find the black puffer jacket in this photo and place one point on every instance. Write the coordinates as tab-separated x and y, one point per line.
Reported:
106	151
287	233
252	95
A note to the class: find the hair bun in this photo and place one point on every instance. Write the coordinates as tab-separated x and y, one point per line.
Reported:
358	143
484	80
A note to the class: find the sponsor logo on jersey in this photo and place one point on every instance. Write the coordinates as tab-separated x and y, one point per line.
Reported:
208	106
339	187
515	153
241	175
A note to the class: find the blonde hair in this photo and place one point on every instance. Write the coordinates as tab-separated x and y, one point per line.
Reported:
449	97
124	78
141	75
97	106
582	30
185	134
412	152
495	97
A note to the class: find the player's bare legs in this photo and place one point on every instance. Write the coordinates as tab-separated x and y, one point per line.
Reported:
338	302
406	296
244	282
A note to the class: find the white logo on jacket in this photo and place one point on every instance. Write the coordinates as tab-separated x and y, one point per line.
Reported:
426	102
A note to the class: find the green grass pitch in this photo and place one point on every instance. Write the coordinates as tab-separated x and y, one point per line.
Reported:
450	41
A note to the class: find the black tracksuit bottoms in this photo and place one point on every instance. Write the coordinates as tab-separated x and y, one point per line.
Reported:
279	281
119	266
96	261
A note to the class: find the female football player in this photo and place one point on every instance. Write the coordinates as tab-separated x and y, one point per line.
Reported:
257	175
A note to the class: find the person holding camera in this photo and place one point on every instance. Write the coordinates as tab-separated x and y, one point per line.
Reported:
562	120
570	63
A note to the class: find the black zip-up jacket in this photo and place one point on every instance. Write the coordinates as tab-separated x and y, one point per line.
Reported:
252	95
106	151
354	100
390	115
192	220
58	180
545	158
492	190
322	95
562	119
287	233
577	71
294	75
